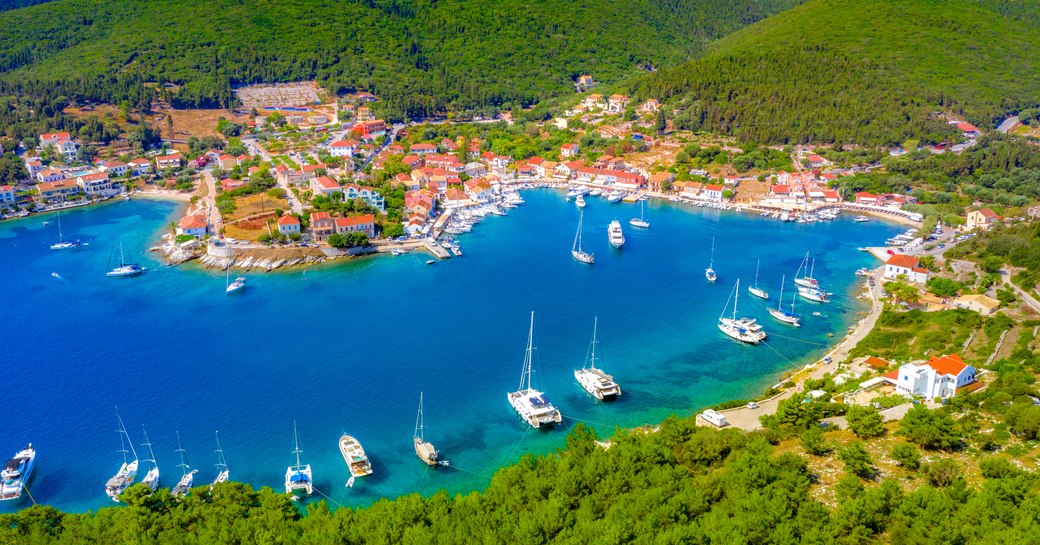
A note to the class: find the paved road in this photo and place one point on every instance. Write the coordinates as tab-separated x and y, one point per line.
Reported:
210	202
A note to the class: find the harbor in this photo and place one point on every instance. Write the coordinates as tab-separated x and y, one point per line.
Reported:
193	360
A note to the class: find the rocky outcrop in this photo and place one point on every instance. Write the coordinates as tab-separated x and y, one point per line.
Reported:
259	263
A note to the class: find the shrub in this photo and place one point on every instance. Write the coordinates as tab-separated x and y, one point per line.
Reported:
857	460
907	455
864	421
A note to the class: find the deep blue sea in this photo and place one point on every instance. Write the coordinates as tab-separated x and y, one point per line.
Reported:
349	346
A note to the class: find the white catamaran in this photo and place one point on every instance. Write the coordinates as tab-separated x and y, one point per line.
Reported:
223	474
298	477
709	273
576	250
532	405
124	270
640	222
755	290
63	244
785	316
742	329
424	450
128	471
187	474
591	378
614	233
151	479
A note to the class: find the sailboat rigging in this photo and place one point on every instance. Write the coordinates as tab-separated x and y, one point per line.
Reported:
576	250
593	379
532	406
709	273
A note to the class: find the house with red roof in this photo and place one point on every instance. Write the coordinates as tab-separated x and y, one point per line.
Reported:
58	191
981	219
95	184
195	225
323	185
412	161
343	148
365	224
907	266
939	377
114	168
288	224
368	130
322	225
141	166
230	184
815	161
567	170
967	129
422	148
569	150
7	196
50	175
454	198
659	179
712	192
866	198
172	160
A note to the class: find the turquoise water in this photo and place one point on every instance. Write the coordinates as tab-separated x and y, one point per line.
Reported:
350	346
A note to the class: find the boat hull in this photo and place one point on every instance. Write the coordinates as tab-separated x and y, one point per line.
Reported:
636	222
354	456
598	384
583	257
758	292
425	452
535	417
784	317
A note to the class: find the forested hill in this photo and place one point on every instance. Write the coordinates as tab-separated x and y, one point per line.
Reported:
421	56
861	71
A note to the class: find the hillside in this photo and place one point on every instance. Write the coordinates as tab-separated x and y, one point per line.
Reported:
421	56
863	71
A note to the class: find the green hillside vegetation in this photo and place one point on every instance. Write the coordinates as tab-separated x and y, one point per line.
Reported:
863	71
421	57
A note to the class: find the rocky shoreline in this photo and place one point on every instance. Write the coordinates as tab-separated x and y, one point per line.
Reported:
267	259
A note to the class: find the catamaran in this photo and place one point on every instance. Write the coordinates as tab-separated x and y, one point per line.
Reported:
124	269
233	287
743	329
151	479
222	469
128	471
425	451
187	477
63	244
532	405
755	290
298	477
16	472
709	273
354	456
640	222
591	378
787	317
617	238
576	250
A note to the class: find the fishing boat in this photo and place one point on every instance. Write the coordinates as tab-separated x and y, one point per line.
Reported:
739	329
151	479
187	474
579	201
16	472
640	222
63	244
709	273
755	290
532	406
124	270
128	471
298	478
615	235
354	456
223	474
230	287
592	379
423	449
787	317
576	250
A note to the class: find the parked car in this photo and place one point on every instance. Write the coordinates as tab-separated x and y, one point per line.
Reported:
752	405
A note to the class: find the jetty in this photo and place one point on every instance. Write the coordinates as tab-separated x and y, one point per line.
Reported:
438	251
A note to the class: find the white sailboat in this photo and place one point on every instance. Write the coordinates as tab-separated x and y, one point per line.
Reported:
128	471
63	244
187	474
755	290
425	451
787	317
298	478
615	235
532	405
233	287
222	469
709	273
815	295
576	250
742	329
591	378
640	222
806	280
151	479
124	270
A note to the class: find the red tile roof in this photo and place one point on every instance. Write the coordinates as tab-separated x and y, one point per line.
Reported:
905	261
876	362
315	216
951	364
366	219
288	219
194	221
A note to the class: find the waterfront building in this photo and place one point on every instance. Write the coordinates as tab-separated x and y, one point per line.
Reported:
7	196
322	225
172	160
141	166
981	219
54	192
906	266
195	225
49	175
95	184
288	224
712	193
365	223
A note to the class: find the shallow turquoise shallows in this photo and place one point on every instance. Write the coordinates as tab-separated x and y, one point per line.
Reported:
350	346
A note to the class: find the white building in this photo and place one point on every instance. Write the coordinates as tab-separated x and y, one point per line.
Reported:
936	378
343	148
905	265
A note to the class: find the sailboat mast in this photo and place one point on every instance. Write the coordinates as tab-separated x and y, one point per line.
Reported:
60	236
419	422
711	261
780	300
296	440
812	271
736	297
757	265
221	465
184	462
123	433
595	326
525	378
147	443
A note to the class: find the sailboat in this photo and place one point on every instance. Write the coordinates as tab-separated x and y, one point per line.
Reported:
787	317
425	451
807	280
151	479
742	329
63	244
591	378
298	477
222	469
755	290
576	250
128	471
124	269
615	235
709	273
187	477
233	287
530	404
640	222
